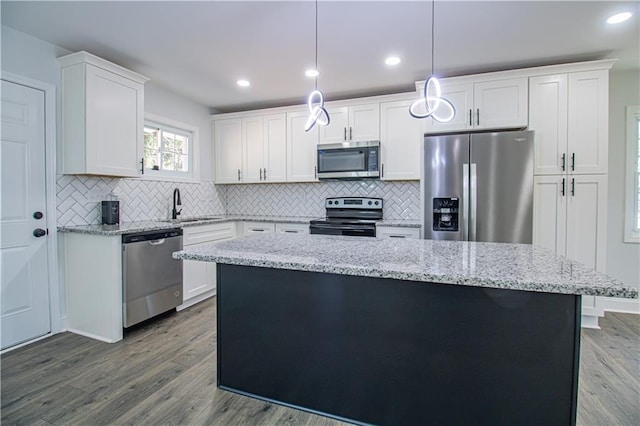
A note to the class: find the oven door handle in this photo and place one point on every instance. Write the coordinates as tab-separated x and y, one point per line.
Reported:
340	228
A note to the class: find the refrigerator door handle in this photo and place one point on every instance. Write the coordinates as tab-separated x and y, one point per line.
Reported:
465	202
473	205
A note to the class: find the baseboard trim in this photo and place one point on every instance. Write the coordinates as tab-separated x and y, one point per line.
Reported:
590	321
92	336
197	299
628	306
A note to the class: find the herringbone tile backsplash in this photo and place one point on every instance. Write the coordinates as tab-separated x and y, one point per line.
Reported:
78	198
401	199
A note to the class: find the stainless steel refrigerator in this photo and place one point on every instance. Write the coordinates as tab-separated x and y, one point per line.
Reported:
478	187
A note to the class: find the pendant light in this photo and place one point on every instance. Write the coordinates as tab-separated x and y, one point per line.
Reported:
317	112
432	104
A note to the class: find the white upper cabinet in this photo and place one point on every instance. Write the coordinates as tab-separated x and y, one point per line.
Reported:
352	123
301	148
102	117
227	134
483	105
548	118
250	149
568	113
588	121
400	139
275	137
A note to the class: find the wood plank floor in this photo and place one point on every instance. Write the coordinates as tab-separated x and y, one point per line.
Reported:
165	373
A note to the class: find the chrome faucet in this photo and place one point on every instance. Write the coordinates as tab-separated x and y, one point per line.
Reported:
176	203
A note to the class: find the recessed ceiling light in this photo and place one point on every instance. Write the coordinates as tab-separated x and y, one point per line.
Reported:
619	17
392	60
311	73
243	83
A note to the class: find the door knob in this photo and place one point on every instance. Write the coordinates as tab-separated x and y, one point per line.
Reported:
38	232
37	215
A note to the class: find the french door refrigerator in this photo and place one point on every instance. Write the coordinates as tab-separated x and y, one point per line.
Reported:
478	187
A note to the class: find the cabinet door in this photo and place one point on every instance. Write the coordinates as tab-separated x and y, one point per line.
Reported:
197	277
461	96
501	104
228	150
337	130
400	139
586	229
586	220
364	122
275	137
588	121
114	120
253	148
548	118
550	212
301	149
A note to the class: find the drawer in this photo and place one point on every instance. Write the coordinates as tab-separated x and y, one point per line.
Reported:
258	228
292	228
397	232
208	233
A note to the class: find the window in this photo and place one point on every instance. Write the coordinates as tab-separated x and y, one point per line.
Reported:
169	149
632	207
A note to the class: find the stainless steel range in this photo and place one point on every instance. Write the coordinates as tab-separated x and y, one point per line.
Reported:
354	216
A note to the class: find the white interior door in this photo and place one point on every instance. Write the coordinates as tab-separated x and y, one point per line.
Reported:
25	286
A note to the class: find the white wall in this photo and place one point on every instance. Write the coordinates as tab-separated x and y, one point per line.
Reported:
623	259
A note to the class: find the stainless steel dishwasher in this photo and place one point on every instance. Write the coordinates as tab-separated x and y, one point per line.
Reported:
151	278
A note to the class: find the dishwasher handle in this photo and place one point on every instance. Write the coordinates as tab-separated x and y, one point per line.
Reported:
157	242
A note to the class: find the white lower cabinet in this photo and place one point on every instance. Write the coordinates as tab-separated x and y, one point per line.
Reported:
292	228
250	228
570	218
199	278
397	232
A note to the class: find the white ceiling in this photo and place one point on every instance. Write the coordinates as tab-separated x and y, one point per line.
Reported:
199	49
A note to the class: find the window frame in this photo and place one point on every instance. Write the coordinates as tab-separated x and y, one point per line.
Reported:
193	175
632	158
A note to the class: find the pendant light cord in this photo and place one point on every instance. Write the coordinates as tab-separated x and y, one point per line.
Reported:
316	79
433	35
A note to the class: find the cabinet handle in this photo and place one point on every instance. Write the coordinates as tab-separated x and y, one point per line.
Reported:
382	170
350	133
238	175
397	236
265	174
142	165
290	232
478	117
470	118
573	161
260	174
564	160
257	230
315	172
345	133
562	189
573	187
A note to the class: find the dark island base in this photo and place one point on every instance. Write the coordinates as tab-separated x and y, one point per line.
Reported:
383	351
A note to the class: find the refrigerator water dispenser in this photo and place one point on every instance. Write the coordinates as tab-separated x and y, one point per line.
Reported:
445	214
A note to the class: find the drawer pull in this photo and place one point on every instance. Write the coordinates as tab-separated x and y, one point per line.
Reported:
397	236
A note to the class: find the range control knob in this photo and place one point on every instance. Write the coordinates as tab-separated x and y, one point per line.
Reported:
370	202
330	202
377	202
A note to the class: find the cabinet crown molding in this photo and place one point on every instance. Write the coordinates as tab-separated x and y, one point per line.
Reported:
605	64
83	57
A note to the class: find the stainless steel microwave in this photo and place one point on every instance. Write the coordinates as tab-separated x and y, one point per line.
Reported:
349	160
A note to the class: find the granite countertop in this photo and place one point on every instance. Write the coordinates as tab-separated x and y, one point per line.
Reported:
152	225
493	265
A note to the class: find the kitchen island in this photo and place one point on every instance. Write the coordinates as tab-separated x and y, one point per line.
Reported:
379	331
